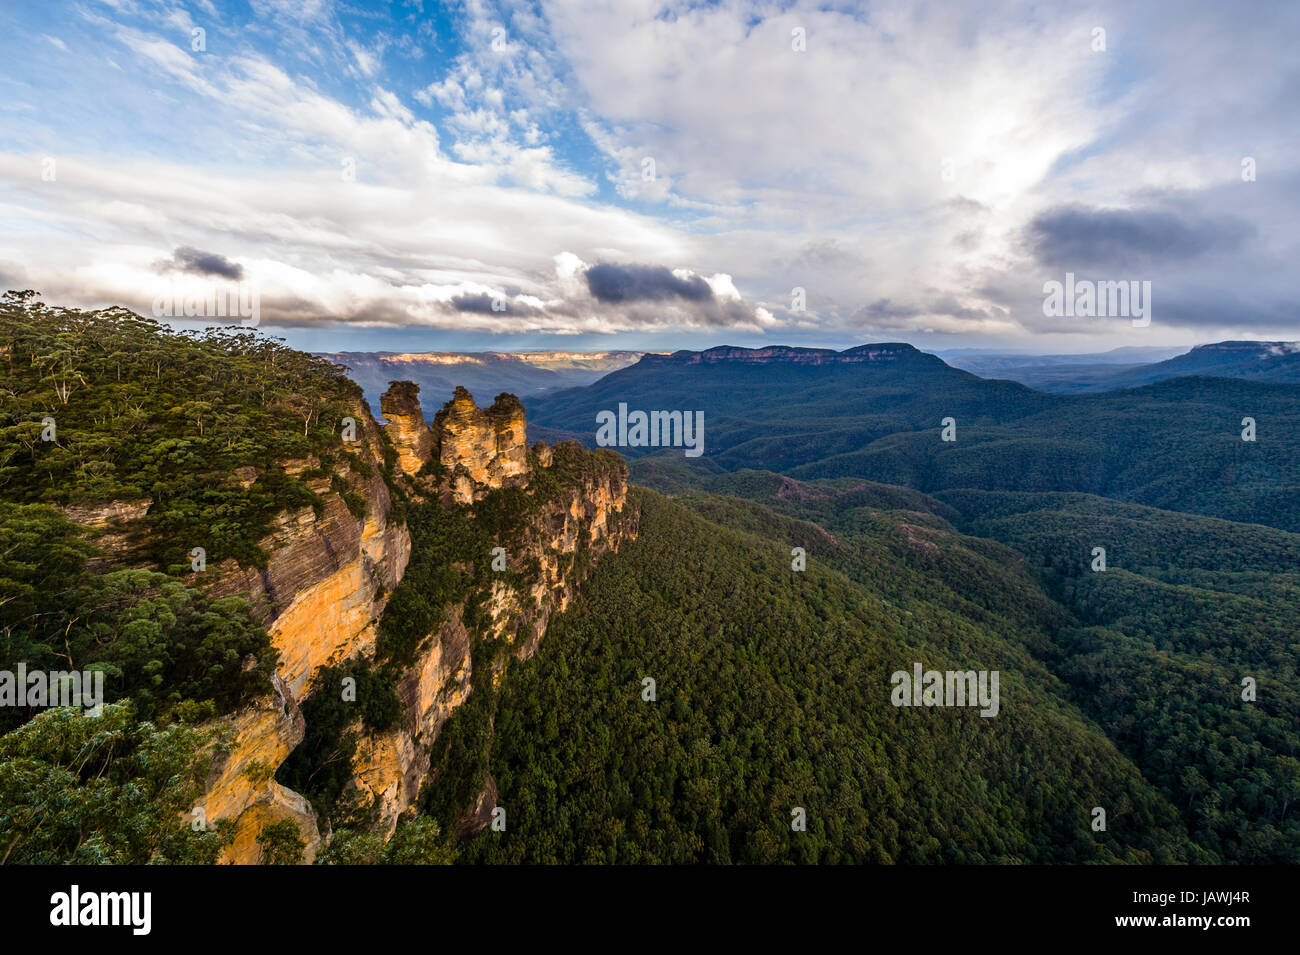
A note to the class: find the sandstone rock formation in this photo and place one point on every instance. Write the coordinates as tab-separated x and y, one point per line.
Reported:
329	575
241	788
114	513
114	524
481	449
400	406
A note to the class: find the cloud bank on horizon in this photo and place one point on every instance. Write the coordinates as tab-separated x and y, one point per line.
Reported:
641	172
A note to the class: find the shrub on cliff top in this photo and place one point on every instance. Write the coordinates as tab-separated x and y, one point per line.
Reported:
108	405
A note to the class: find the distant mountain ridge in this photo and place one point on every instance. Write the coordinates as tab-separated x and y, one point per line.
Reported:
546	372
774	354
487	374
812	414
539	358
1251	361
1124	367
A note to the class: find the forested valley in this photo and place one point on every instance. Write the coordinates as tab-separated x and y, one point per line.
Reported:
723	674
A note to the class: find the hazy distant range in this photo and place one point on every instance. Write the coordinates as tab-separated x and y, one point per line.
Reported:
485	374
1135	367
528	374
1059	373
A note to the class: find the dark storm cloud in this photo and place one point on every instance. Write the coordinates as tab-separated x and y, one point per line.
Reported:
1217	309
1081	237
643	283
481	304
714	313
197	262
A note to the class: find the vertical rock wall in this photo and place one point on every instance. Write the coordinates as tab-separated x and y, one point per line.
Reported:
327	582
321	595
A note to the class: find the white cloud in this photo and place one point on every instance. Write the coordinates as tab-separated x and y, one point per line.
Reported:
889	170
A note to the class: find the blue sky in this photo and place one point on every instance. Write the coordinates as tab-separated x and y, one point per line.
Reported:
426	176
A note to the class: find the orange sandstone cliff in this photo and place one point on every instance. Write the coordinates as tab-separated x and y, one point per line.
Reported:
329	575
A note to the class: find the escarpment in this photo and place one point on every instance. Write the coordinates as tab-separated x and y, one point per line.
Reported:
531	574
525	527
320	596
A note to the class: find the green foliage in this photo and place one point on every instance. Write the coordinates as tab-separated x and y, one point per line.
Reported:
356	503
1154	649
417	841
108	789
1186	608
281	843
460	757
446	548
159	642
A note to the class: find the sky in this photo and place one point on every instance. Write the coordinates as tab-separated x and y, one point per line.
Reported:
586	175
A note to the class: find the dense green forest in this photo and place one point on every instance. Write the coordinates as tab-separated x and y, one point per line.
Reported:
171	649
107	405
1154	648
773	693
1187	608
